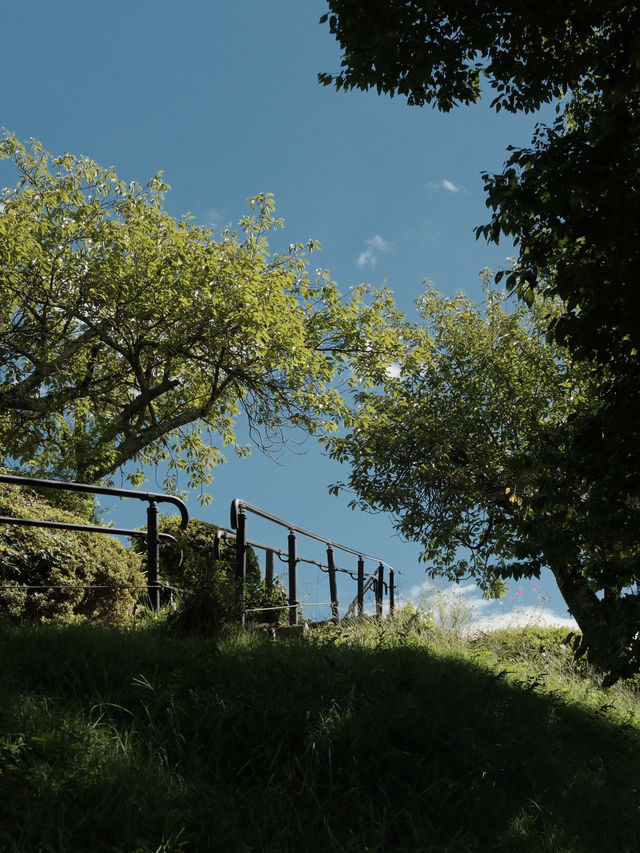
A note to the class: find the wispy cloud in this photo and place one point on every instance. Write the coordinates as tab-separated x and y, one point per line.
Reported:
376	246
446	184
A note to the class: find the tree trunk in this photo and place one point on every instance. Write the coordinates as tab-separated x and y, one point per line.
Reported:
610	626
584	605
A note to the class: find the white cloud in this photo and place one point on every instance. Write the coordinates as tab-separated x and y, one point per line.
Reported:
465	605
447	185
523	617
376	246
214	217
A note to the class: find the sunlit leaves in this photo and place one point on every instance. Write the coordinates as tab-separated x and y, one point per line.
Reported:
129	336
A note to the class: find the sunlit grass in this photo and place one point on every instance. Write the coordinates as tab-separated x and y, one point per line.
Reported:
382	736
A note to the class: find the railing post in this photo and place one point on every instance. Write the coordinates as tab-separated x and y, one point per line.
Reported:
241	547
293	580
241	557
360	586
153	556
333	586
392	592
379	591
268	570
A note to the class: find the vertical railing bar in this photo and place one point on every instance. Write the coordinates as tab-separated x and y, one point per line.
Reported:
333	585
379	591
268	571
241	558
392	592
360	586
293	580
153	556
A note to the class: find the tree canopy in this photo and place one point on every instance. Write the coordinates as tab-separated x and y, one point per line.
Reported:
439	51
469	444
570	200
127	336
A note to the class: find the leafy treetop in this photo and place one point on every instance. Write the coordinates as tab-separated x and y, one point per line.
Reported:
471	444
438	51
127	336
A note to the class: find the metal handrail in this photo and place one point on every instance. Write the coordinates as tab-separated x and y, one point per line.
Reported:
152	534
239	509
151	497
89	528
238	504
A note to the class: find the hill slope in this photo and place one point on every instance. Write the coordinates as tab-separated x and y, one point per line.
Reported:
386	736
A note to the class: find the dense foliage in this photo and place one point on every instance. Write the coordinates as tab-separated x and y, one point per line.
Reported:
439	51
195	549
468	443
128	336
569	202
202	574
70	576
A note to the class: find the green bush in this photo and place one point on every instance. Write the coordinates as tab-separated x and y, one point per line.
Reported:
91	575
194	552
206	593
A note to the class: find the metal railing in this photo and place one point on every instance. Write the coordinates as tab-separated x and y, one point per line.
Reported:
152	533
375	580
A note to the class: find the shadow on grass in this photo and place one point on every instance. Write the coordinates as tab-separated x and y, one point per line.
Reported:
139	741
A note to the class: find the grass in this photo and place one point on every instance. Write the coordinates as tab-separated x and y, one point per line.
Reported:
378	736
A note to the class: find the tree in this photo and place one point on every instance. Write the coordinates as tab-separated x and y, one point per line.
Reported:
127	336
200	572
468	444
570	201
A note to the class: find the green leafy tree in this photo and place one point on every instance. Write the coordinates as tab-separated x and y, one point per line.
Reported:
203	576
195	550
127	336
570	200
468	443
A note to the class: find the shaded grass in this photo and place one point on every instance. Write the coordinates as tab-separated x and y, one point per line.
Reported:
380	737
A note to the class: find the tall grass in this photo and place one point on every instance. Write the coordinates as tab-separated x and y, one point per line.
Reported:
376	736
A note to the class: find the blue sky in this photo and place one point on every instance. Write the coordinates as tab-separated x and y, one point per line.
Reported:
222	96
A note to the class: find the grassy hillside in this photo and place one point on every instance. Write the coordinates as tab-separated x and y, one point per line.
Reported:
376	737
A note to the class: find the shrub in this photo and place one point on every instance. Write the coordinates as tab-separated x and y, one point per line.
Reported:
89	576
194	552
207	592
